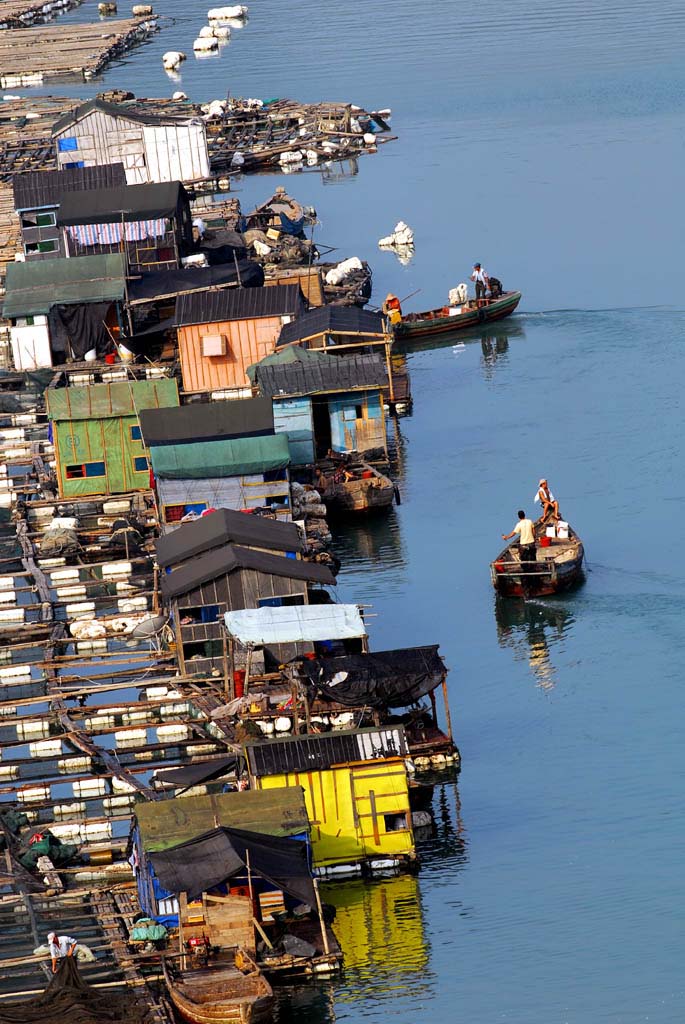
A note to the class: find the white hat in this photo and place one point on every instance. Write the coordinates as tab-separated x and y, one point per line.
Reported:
541	482
52	935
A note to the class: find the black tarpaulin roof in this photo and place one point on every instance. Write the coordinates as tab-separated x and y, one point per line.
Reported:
225	526
242	417
208	860
36	189
383	679
226	560
194	774
329	374
128	202
167	283
333	320
212	307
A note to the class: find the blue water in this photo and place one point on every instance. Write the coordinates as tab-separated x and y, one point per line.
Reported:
545	140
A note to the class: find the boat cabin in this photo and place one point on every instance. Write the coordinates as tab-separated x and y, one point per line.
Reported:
150	224
326	404
99	445
347	330
37	196
221	333
62	309
213	454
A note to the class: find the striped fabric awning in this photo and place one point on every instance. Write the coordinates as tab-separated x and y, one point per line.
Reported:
110	234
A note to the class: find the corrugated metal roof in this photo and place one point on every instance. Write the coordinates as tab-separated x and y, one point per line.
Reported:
32	288
332	320
309	753
130	202
332	374
213	307
36	189
106	401
214	460
226	526
137	112
223	561
212	421
165	823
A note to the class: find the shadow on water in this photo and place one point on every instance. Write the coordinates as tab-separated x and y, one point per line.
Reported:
533	629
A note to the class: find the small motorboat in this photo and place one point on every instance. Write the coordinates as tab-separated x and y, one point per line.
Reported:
558	565
352	485
221	993
447	319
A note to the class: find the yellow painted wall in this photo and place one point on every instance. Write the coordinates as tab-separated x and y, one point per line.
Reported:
346	806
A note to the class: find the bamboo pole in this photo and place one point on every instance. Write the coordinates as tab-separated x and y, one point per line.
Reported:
319	909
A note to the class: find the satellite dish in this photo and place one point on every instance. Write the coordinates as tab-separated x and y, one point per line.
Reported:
149	627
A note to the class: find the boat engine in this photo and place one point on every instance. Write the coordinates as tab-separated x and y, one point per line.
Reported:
199	949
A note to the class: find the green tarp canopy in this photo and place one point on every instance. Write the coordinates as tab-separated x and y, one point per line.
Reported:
291	354
110	401
273	812
34	288
209	460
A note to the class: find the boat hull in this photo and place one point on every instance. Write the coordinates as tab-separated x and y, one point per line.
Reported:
429	325
512	585
192	1003
359	495
553	573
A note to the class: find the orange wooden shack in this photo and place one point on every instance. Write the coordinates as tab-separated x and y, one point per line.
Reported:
222	332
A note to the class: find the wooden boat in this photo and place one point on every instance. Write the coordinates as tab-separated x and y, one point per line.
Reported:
558	566
354	487
447	319
221	992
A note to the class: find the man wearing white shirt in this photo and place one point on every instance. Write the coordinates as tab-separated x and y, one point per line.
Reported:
60	946
481	279
550	505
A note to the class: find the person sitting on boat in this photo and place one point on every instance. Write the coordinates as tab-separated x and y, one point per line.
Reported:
481	279
392	308
495	288
526	532
550	505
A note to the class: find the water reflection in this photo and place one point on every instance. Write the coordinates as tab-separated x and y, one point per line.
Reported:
494	338
533	629
493	350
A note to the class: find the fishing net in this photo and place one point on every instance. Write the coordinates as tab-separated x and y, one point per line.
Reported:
69	998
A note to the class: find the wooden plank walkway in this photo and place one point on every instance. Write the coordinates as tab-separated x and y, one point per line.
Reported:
20	13
27	56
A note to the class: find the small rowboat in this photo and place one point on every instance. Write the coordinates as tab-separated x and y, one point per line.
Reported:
447	319
220	993
354	486
558	566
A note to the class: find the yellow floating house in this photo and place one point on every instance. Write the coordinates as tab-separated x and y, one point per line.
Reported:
356	793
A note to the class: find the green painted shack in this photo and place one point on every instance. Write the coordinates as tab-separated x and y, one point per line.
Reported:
98	441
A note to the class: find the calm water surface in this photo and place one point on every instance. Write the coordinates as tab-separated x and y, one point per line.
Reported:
547	141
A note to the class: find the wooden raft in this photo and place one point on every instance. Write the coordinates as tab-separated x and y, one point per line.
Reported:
27	56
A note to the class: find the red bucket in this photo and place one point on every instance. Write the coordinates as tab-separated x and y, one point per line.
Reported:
239	682
110	358
545	542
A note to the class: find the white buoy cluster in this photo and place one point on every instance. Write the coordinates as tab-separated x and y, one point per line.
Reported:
218	30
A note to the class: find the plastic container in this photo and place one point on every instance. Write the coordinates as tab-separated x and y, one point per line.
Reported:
545	542
239	682
110	358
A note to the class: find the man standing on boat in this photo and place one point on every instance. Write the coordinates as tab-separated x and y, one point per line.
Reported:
481	279
526	532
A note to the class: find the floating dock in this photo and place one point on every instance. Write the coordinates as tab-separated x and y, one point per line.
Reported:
20	13
29	56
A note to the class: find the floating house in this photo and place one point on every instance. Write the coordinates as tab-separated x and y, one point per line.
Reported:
344	330
152	223
221	333
325	404
98	441
60	309
356	791
153	146
37	196
212	454
204	588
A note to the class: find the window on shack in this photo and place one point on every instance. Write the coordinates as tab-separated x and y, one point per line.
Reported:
49	245
136	434
395	822
47	219
287	601
274	475
175	513
68	144
140	464
85	469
